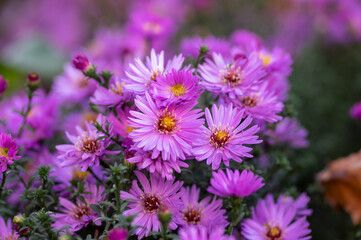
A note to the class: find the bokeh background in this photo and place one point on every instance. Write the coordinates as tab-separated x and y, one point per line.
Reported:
323	36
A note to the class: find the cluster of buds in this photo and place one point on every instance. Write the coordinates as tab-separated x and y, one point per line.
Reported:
19	225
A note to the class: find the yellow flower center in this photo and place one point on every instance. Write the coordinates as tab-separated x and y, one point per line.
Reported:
86	144
130	129
117	88
79	175
220	138
4	152
192	215
150	203
178	90
274	233
166	123
154	74
152	27
266	58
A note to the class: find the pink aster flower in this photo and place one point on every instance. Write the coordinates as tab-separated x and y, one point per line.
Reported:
272	220
167	131
276	60
145	203
260	103
78	215
234	183
288	132
8	151
7	230
120	121
246	41
225	136
233	77
205	212
202	233
176	87
156	165
300	204
140	76
86	150
115	95
355	111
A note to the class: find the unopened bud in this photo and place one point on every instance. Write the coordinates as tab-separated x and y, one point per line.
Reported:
82	63
33	81
118	234
203	50
19	227
164	215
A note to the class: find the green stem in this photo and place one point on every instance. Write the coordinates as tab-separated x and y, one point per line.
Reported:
237	213
3	182
117	196
28	108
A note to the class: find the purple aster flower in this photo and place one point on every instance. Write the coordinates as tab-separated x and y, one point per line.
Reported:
81	63
288	132
300	204
225	136
72	86
260	103
121	122
231	77
7	231
78	215
234	183
191	46
355	111
276	60
115	95
272	221
157	165
176	87
246	41
206	212
3	85
201	233
140	76
170	131
118	234
146	203
8	151
86	149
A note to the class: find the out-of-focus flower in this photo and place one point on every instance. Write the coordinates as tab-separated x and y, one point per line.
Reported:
8	151
3	85
115	95
118	234
120	121
272	220
341	181
234	183
6	230
300	204
79	215
191	46
205	212
288	132
176	87
140	76
246	41
146	203
232	77
158	165
355	111
86	149
168	131
276	61
200	232
225	137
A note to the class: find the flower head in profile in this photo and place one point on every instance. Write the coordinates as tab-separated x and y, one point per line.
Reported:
167	131
234	183
140	76
80	214
146	203
176	87
271	221
205	212
231	77
86	149
8	151
225	137
157	165
7	231
202	233
115	95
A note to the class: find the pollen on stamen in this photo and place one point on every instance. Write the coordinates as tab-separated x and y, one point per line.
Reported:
178	90
192	215
231	76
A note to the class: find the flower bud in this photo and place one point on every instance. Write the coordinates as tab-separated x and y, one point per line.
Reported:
164	215
203	50
118	234
19	227
82	63
33	81
3	85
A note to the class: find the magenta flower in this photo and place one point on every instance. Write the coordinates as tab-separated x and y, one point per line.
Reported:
140	75
276	61
355	111
81	63
121	124
299	204
8	151
205	212
235	184
118	234
145	203
288	132
225	137
79	215
202	233
7	230
231	77
272	220
157	165
191	46
86	150
3	85
176	87
260	103
246	41
115	95
169	132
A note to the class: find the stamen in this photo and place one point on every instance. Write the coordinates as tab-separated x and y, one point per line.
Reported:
192	215
150	203
231	75
178	90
